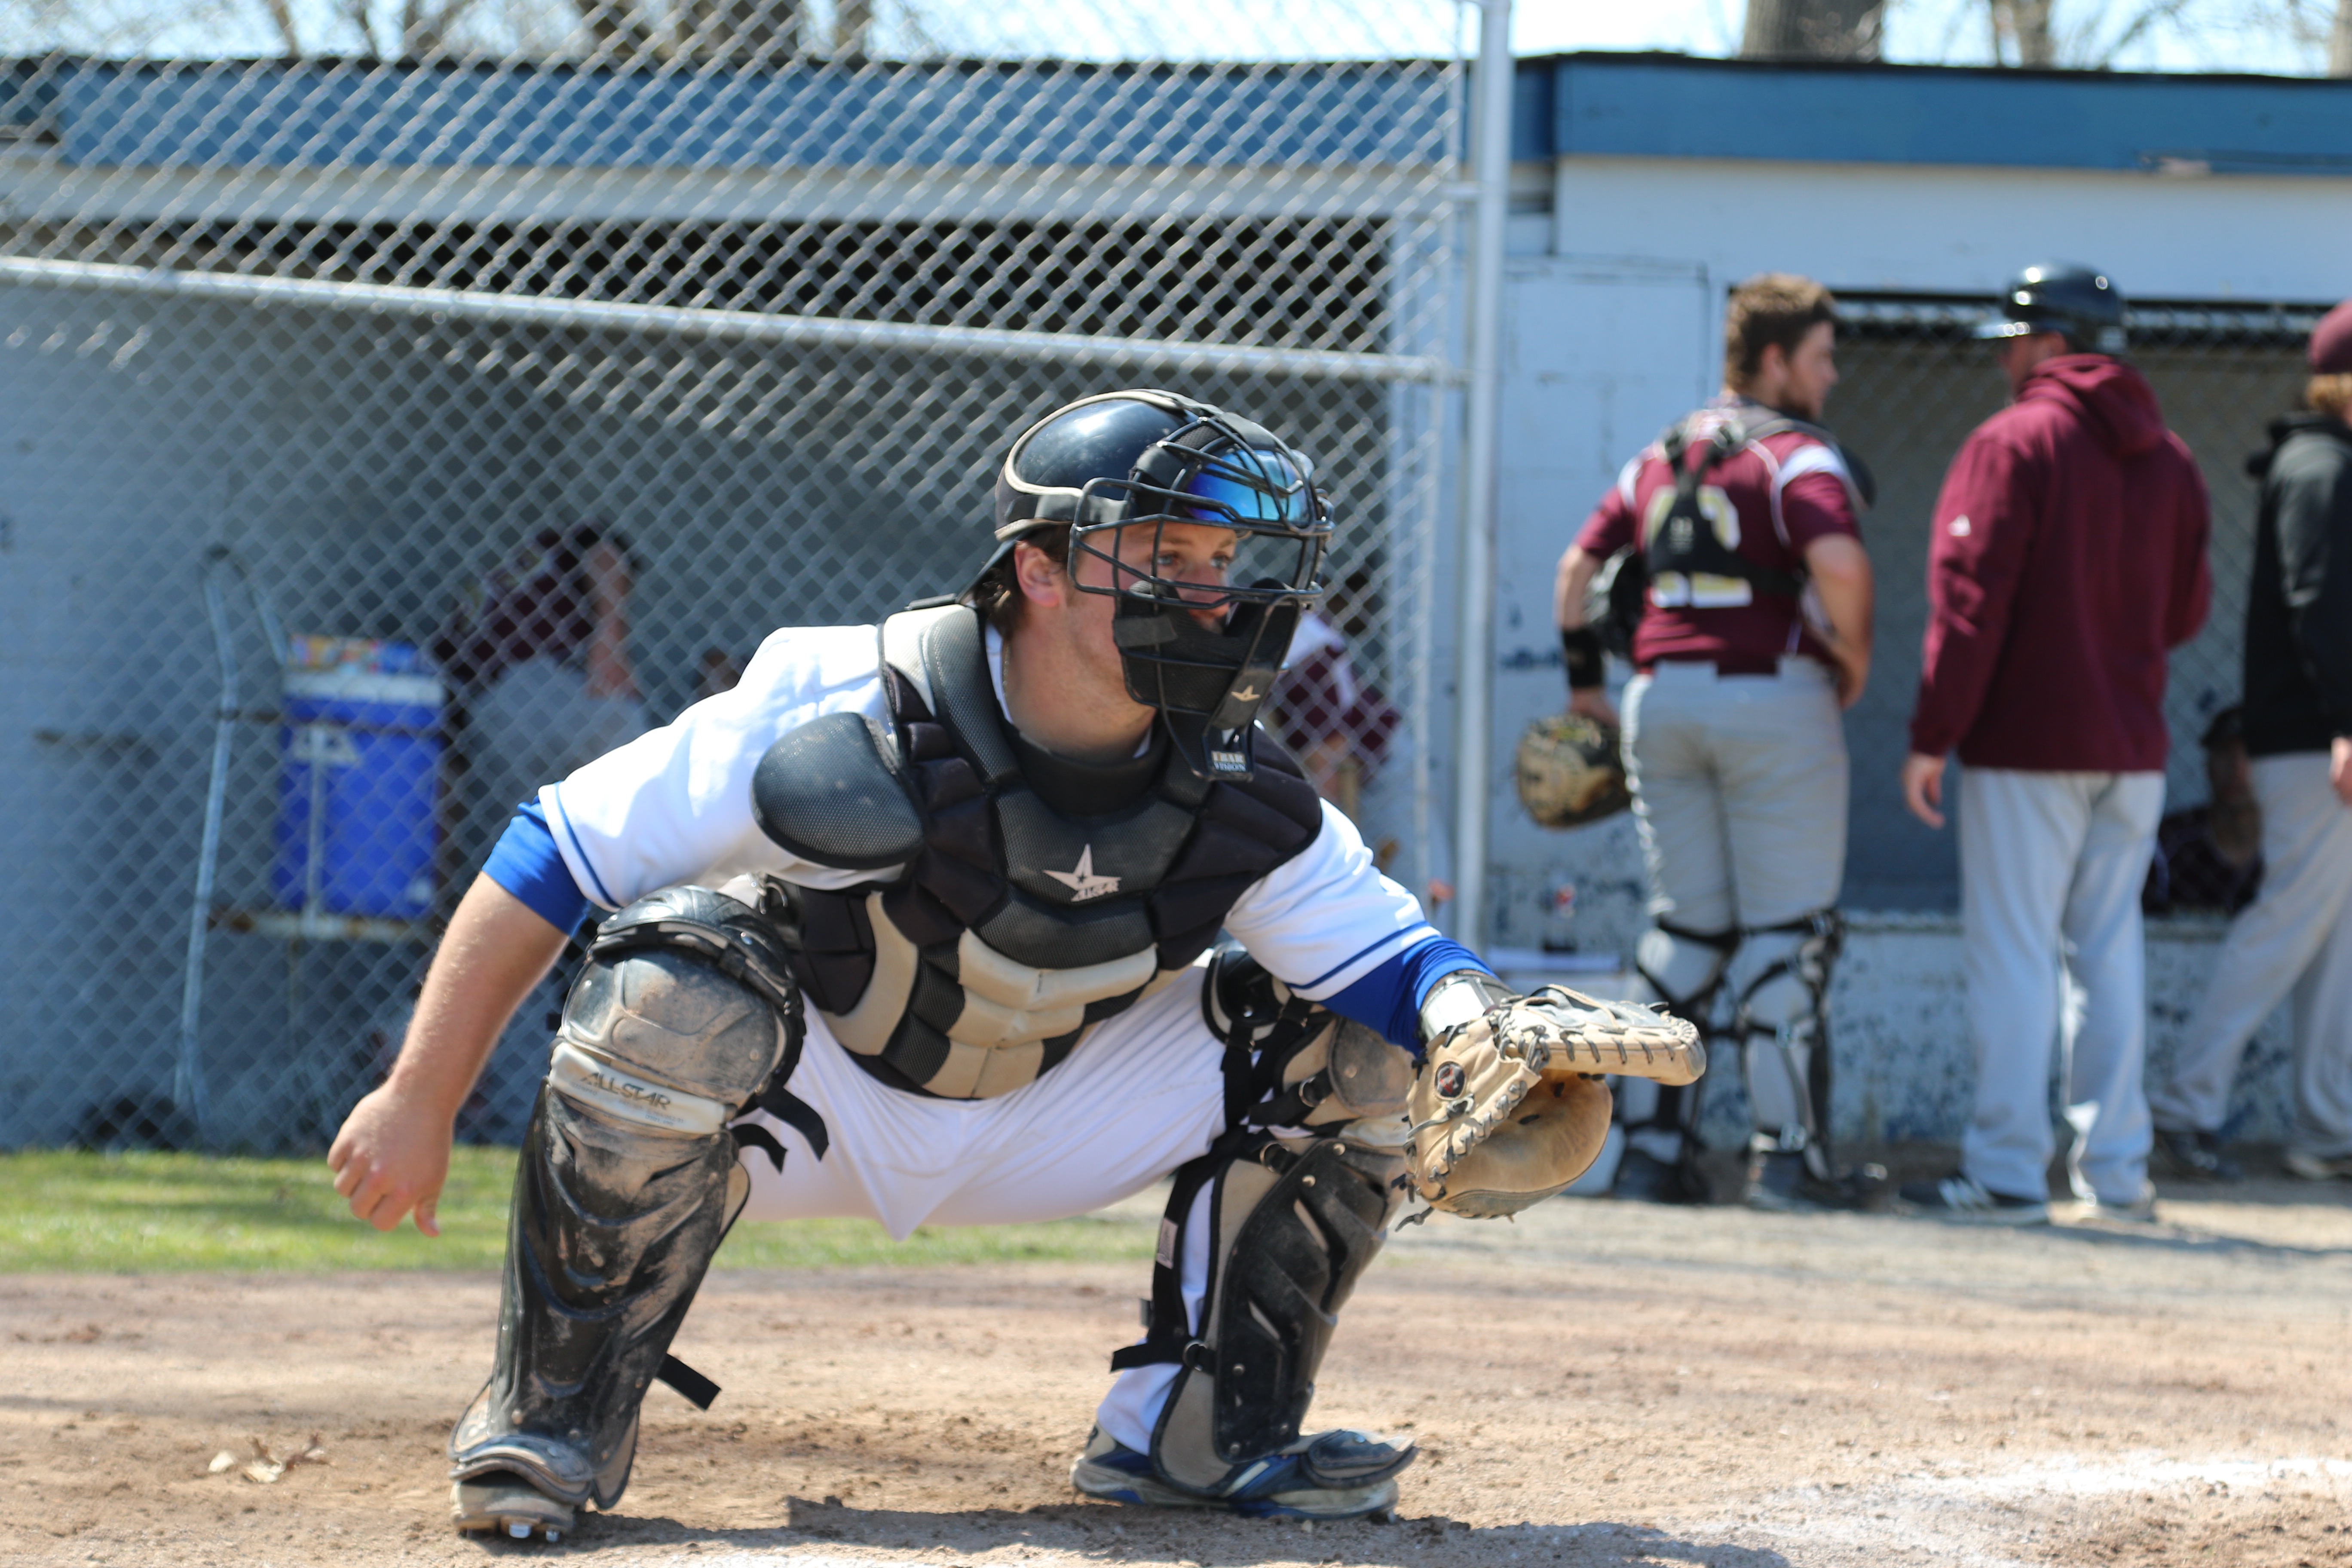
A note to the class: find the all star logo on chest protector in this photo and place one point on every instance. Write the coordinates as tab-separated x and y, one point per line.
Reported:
1019	898
1084	883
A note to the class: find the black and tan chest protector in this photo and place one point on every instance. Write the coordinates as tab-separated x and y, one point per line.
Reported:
1019	899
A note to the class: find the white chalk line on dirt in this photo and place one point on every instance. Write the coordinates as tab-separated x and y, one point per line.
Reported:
1960	1520
1980	1520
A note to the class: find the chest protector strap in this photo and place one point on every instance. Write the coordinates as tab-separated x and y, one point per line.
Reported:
1684	541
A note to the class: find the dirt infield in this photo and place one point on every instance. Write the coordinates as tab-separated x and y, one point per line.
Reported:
1596	1385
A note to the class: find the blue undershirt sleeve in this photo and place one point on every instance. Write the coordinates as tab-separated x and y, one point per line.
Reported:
1389	998
525	864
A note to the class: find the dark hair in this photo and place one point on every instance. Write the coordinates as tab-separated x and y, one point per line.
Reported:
2228	729
1772	307
998	593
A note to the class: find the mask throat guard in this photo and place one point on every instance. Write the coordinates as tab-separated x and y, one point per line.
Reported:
1207	685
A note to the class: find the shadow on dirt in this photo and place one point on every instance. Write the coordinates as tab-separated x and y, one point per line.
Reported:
1095	1533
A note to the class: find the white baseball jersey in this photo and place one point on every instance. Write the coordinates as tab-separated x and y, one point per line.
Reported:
675	805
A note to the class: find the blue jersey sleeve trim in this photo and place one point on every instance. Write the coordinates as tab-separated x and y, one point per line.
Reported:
1389	997
598	893
1406	937
526	864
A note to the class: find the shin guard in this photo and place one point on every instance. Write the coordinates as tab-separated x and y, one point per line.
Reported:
627	1182
1291	1233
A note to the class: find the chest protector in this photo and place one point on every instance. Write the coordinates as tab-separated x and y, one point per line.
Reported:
1021	899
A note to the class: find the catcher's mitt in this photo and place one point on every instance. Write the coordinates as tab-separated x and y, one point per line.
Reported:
1505	1107
1568	771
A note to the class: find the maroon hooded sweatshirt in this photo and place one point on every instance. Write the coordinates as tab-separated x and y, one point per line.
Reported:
2068	558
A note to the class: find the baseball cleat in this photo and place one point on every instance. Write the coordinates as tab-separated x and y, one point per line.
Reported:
2194	1156
503	1503
1328	1475
1643	1178
1779	1182
2316	1167
1961	1199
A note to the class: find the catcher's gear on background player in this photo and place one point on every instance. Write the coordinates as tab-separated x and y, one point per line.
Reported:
1507	1108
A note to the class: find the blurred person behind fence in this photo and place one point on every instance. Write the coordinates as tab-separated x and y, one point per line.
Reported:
2067	559
2209	857
1352	742
1754	633
538	653
2296	939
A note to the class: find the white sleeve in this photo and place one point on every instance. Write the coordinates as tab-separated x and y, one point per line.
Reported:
675	804
1327	917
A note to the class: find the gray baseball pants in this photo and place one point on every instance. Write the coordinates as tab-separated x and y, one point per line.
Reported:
1739	793
2294	940
2051	869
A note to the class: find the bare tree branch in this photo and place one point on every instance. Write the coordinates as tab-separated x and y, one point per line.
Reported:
281	16
1811	29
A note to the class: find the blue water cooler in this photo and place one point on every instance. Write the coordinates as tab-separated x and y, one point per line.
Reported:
360	765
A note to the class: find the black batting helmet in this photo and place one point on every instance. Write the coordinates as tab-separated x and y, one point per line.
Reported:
2077	303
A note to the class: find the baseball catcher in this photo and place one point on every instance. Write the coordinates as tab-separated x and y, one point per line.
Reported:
1001	910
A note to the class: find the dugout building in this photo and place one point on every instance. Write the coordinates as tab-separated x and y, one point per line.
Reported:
772	320
1643	188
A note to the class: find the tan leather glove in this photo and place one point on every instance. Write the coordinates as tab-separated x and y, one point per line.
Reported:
1507	1108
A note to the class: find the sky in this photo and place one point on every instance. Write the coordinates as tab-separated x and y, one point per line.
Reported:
2215	35
1945	32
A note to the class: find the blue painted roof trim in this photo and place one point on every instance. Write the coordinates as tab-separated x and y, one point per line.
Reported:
1672	106
244	112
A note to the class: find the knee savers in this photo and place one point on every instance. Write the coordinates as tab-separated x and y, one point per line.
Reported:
626	1185
1290	1064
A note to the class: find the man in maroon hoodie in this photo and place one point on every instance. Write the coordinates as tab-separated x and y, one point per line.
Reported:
2067	558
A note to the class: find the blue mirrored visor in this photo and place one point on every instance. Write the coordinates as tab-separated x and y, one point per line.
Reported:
1253	486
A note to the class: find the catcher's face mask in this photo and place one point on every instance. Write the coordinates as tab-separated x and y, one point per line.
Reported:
1209	537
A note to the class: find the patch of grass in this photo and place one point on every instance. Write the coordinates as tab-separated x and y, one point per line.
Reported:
71	1211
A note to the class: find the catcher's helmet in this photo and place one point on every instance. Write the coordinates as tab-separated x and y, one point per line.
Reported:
1568	771
1204	653
2076	301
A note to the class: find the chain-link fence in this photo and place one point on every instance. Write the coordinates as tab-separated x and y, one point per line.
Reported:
733	324
1914	382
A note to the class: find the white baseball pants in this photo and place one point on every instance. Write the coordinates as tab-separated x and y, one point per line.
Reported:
2051	869
1739	791
1140	1096
2294	940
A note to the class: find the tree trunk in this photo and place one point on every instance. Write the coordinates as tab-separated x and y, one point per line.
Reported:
739	32
620	31
853	19
1814	29
2339	41
2024	26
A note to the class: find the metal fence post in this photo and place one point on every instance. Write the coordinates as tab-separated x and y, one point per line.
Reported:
1473	657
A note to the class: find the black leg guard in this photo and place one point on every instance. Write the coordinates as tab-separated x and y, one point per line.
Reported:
1783	1021
610	1237
1290	1235
628	1184
1684	969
